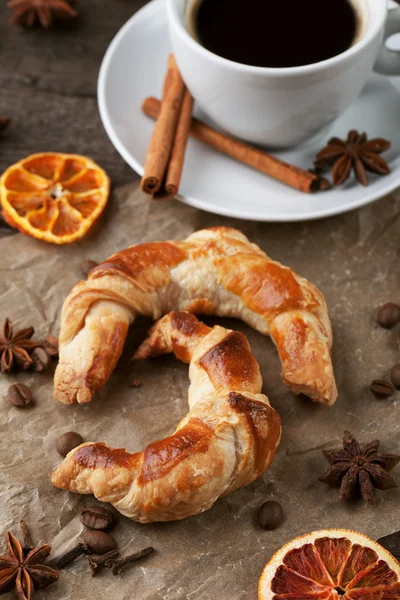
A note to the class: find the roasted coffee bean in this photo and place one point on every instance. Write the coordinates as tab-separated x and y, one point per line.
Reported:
270	515
41	360
19	395
388	315
381	388
50	345
395	376
99	542
67	442
87	266
96	517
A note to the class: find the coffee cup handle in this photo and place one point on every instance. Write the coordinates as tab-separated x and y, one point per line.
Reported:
388	61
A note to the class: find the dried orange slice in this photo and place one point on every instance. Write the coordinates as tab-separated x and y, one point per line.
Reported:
331	564
54	197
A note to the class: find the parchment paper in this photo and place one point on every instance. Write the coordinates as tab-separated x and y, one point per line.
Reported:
220	554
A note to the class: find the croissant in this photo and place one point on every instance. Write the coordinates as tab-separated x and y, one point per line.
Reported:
227	440
214	271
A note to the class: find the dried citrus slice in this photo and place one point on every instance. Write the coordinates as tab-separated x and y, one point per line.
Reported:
331	564
54	197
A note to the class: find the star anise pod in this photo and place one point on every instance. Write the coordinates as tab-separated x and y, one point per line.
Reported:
29	12
15	347
23	569
4	123
359	469
356	153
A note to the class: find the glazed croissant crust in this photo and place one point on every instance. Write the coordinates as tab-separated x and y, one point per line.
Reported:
227	440
214	271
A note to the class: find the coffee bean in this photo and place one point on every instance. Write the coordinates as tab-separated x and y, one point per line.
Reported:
96	517
67	442
395	376
41	360
381	388
87	266
99	542
270	515
50	345
19	395
388	315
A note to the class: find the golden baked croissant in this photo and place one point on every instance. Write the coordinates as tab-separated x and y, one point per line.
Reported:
227	440
214	271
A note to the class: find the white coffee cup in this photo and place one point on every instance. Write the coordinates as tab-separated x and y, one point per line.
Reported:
276	107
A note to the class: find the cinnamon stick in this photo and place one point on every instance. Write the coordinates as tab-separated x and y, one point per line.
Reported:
162	140
296	177
170	186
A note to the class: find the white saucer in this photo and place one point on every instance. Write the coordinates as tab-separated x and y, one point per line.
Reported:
134	67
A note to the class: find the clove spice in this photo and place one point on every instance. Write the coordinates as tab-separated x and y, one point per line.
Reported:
71	555
96	564
116	565
392	543
26	537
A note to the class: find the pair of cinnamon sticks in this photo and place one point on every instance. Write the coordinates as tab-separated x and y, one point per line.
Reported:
166	152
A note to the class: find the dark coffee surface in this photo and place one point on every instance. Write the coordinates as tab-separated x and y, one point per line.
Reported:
278	33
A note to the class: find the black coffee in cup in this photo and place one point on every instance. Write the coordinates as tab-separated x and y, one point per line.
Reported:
275	33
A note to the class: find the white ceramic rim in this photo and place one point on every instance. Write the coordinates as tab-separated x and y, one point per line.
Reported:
373	30
142	15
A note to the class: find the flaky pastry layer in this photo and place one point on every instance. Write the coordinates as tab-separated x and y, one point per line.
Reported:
227	440
214	271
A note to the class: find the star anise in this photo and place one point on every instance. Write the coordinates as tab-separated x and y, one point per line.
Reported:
15	347
355	153
29	12
22	568
359	469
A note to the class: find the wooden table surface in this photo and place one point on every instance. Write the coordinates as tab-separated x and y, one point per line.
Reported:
48	81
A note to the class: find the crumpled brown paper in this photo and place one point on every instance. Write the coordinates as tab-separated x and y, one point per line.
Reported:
220	554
